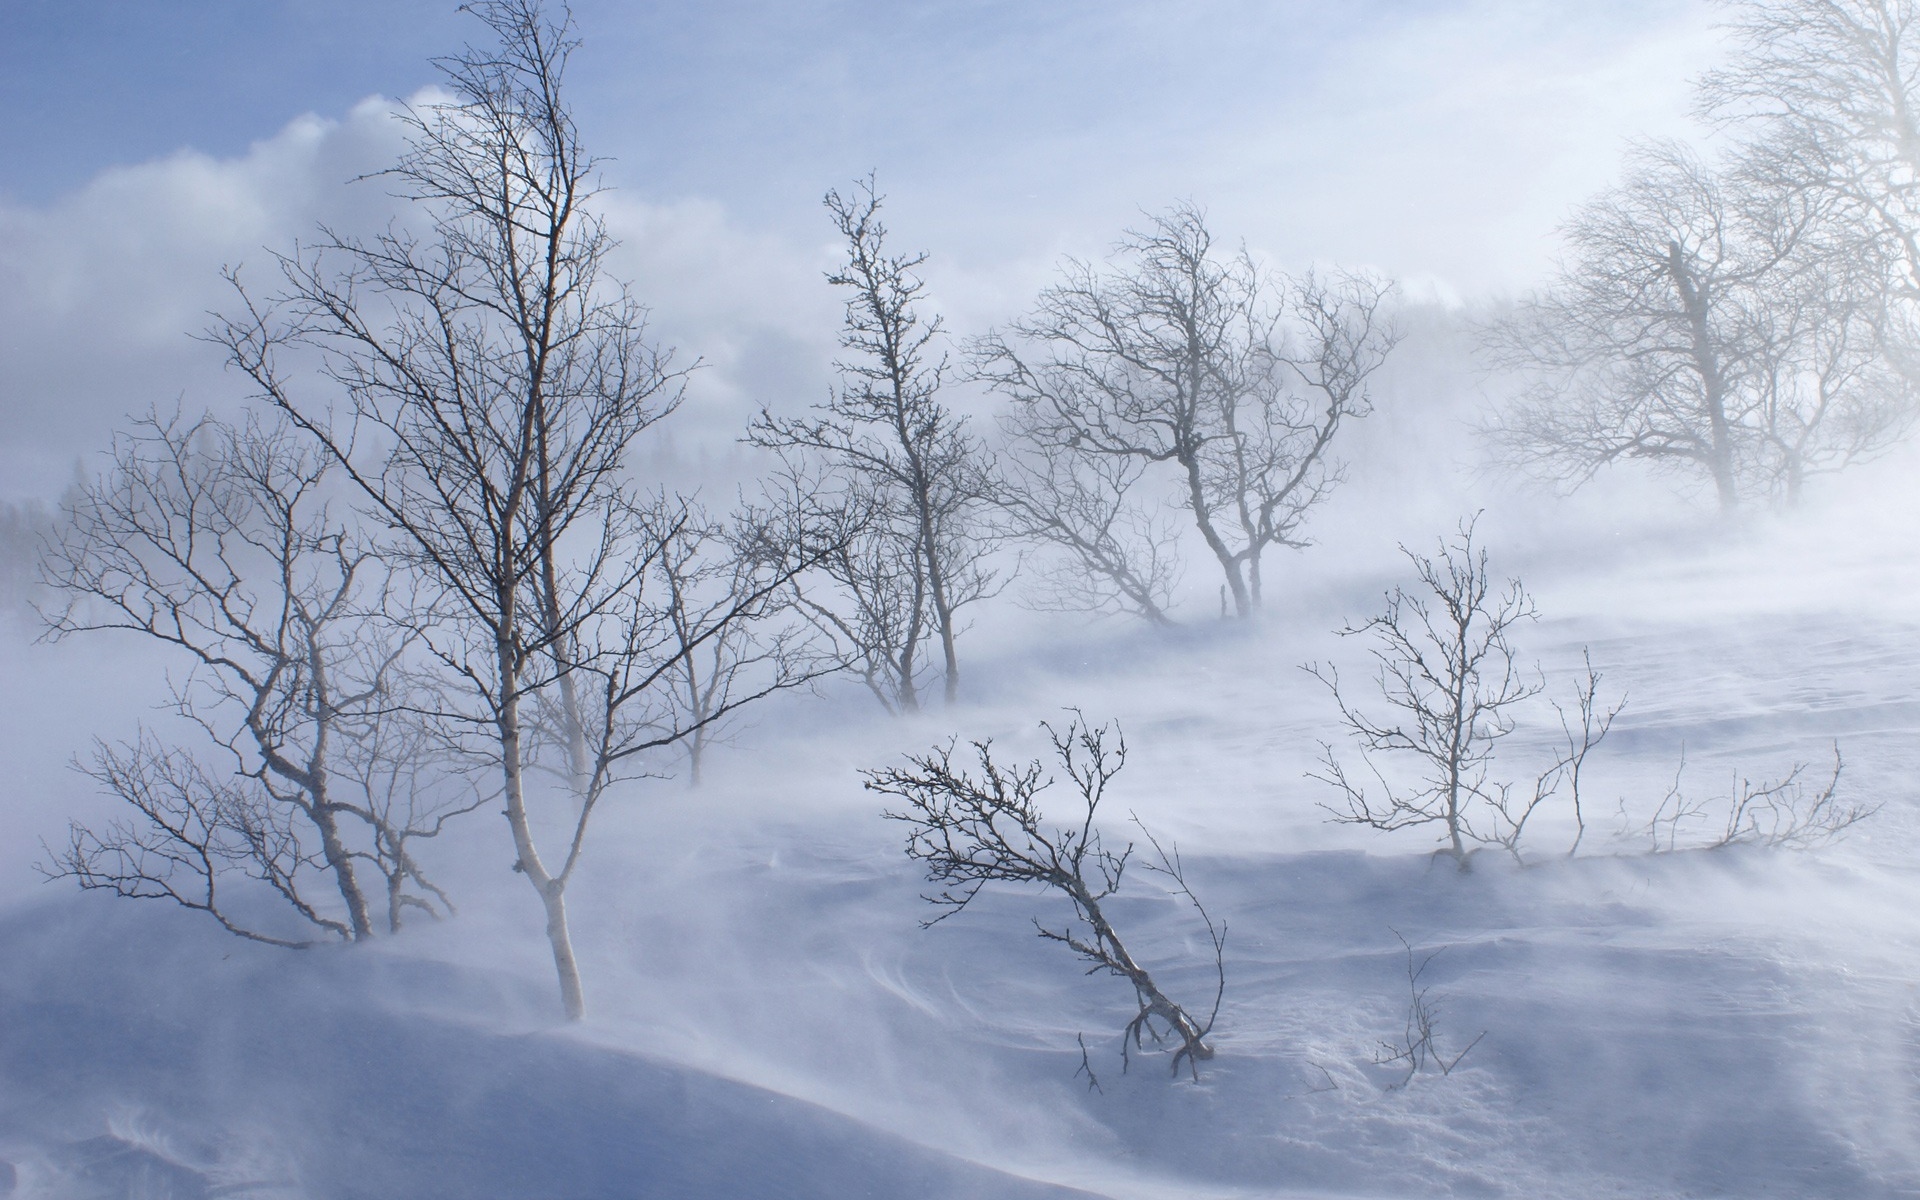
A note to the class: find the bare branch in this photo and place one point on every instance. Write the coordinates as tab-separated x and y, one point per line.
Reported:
1416	1047
973	829
1180	365
1445	667
1787	813
894	466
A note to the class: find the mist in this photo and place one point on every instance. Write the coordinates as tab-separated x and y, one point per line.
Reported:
1688	968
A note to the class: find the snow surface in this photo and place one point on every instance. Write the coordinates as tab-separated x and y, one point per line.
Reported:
767	1018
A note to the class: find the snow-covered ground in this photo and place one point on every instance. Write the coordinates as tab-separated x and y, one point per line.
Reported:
769	1020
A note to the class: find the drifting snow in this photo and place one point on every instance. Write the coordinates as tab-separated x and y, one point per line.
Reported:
769	1020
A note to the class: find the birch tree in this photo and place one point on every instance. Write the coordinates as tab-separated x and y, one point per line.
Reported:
495	382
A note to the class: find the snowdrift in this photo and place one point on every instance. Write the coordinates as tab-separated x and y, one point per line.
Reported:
769	1020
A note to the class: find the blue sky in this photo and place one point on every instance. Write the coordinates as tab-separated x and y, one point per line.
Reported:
93	83
89	83
1439	142
754	101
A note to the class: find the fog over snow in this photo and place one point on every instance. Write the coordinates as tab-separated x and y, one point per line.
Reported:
765	1014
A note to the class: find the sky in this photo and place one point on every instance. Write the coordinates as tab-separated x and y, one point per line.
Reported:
1436	141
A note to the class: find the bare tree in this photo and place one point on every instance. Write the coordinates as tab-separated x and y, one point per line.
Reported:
1446	668
1639	339
495	381
1833	386
864	589
217	541
1824	93
1830	90
903	459
399	768
1236	380
1707	321
1113	550
719	649
970	831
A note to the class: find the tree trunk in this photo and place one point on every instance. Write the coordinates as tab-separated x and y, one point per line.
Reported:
1459	734
942	611
1153	1002
313	780
1713	384
562	651
341	864
906	693
396	884
560	642
552	890
573	999
929	542
1196	495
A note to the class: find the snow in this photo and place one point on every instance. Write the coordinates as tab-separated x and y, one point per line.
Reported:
768	1019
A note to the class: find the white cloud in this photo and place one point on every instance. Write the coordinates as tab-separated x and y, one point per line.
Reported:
101	292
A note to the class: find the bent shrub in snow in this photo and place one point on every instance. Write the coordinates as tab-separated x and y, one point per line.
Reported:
1418	1048
970	831
1789	813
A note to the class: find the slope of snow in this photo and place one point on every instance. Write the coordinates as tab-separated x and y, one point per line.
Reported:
143	1058
768	1019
